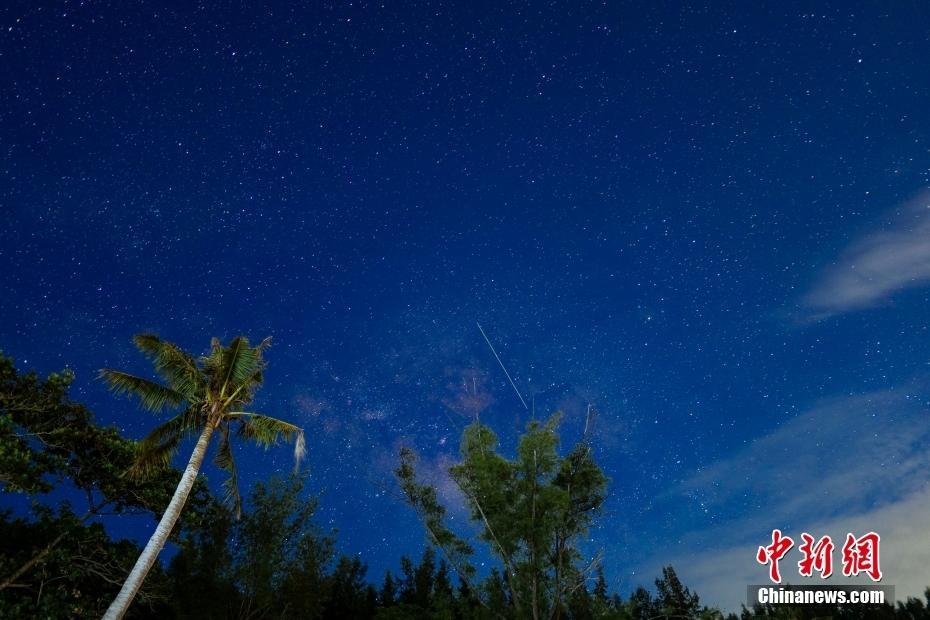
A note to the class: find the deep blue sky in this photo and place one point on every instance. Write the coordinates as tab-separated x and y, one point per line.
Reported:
708	222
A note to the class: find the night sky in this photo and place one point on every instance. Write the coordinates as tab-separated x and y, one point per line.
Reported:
709	223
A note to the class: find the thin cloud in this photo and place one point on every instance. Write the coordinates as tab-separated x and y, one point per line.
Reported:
720	576
840	454
877	265
850	464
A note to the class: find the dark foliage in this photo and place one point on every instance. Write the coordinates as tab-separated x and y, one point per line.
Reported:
275	562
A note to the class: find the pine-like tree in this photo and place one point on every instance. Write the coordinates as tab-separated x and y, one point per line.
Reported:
531	511
673	598
388	594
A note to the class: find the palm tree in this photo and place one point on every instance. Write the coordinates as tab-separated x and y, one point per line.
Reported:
211	392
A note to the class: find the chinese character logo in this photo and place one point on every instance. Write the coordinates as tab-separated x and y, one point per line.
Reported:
817	556
773	553
860	555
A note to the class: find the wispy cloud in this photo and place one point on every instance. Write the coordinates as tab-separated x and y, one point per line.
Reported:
877	265
850	464
720	577
838	456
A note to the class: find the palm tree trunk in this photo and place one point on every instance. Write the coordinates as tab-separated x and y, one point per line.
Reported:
149	555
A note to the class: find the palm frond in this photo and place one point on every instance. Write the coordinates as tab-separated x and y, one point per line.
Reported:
224	460
148	343
267	431
153	396
240	363
157	449
213	361
174	364
300	450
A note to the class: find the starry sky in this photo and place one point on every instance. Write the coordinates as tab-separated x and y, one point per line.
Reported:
708	222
